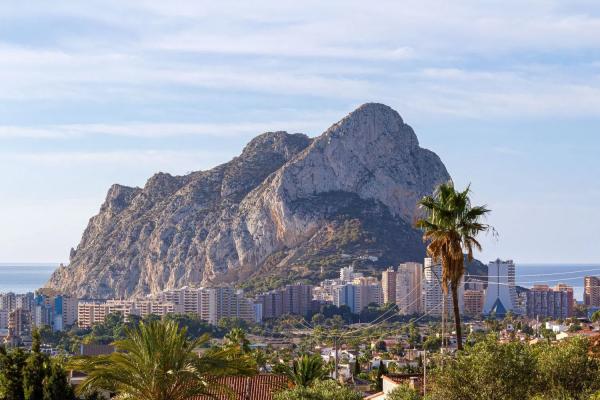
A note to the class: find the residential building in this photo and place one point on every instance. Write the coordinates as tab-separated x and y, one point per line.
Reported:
271	303
157	307
292	299
4	319
591	291
226	302
19	322
297	299
409	288
473	300
24	301
347	274
388	284
358	294
90	313
501	295
369	291
186	299
433	291
8	301
544	302
345	295
570	296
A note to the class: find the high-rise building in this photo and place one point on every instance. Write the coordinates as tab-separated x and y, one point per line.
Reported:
591	292
297	299
292	299
388	284
8	301
473	300
188	300
368	291
4	319
160	308
345	295
433	290
501	295
409	288
570	296
19	322
226	302
544	302
90	313
25	301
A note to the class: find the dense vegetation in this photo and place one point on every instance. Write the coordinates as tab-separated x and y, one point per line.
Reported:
32	375
513	371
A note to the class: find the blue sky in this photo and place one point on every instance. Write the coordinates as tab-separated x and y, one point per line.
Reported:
93	93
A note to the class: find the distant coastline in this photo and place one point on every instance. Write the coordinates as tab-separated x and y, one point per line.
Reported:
27	277
24	277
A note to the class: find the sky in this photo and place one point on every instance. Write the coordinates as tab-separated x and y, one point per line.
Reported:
100	92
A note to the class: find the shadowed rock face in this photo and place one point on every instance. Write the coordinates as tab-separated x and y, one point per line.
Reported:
287	204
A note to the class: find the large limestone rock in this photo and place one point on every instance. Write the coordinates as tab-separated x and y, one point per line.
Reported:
287	206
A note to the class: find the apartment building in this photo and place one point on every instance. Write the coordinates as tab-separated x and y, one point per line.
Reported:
591	291
409	288
388	285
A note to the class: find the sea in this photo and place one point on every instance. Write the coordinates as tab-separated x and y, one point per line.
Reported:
22	278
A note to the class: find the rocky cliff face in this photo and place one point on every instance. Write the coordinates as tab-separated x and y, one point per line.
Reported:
288	207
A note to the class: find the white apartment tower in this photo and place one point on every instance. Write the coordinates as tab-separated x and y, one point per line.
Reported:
409	288
433	293
501	295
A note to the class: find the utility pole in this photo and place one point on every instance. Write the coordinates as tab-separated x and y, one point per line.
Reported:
424	372
335	345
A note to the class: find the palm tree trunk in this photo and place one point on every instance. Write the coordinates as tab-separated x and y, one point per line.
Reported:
457	324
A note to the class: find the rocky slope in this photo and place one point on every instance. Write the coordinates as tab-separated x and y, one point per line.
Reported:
288	207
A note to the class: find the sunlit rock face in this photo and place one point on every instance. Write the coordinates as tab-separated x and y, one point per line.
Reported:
287	203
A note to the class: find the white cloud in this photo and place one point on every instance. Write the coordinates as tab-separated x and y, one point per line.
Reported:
167	130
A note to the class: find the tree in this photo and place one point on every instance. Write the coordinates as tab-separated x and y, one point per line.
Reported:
381	371
487	371
356	368
11	374
236	340
432	344
157	361
567	368
403	392
414	337
320	390
57	386
304	370
450	228
35	370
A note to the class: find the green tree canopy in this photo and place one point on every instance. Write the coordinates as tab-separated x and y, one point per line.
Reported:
157	361
320	390
450	228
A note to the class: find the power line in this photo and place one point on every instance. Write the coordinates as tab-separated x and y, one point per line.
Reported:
547	274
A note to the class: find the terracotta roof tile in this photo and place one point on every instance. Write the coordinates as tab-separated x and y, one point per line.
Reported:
257	387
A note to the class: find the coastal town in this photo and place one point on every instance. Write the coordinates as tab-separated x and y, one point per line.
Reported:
275	200
408	316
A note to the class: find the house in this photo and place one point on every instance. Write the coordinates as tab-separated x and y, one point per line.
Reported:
391	382
257	387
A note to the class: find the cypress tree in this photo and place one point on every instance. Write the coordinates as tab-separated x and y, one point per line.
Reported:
35	370
11	373
57	385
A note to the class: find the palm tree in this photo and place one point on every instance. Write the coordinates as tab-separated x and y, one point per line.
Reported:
236	339
304	370
156	361
450	228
